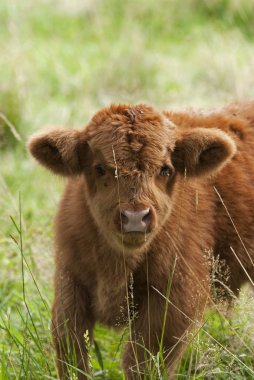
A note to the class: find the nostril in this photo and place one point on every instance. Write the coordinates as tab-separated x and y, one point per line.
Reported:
124	218
147	217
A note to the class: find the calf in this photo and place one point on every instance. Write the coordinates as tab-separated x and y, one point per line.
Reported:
151	196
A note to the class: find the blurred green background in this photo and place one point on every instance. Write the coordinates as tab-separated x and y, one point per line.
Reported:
60	61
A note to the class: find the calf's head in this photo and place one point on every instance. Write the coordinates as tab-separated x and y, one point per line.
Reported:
129	159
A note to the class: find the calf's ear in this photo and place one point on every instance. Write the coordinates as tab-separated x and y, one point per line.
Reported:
202	151
60	150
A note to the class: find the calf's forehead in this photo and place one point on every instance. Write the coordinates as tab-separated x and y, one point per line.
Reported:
128	135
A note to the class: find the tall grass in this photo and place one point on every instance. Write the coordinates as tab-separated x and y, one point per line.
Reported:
60	61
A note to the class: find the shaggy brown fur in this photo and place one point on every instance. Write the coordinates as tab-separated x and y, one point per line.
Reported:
126	160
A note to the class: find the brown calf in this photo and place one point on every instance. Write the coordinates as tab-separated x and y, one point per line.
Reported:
142	209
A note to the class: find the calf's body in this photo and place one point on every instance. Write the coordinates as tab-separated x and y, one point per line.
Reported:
151	198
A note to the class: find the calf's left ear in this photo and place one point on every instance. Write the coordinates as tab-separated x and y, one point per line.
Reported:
202	151
63	151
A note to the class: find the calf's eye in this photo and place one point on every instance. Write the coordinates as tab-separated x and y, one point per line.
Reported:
100	170
166	171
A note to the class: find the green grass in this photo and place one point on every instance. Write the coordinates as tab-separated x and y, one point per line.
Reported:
61	61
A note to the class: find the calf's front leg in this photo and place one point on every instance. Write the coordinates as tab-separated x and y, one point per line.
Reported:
161	328
71	318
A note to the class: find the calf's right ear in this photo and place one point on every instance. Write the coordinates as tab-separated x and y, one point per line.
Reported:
60	150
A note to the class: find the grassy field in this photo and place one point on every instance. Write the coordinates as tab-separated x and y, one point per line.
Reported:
61	61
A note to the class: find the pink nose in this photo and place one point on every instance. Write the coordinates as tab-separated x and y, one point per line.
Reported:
135	221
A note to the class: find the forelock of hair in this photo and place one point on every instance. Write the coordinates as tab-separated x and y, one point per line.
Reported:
131	114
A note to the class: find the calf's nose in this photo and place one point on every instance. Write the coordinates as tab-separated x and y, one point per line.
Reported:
135	221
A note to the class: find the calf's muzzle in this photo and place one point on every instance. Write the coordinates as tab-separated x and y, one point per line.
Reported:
135	221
